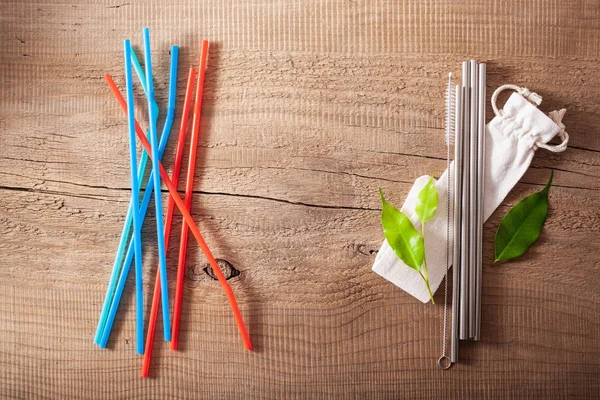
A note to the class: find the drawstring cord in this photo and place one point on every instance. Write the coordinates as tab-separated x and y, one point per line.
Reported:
555	116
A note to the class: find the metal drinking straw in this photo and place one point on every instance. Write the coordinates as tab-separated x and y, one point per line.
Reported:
473	190
481	96
456	273
464	247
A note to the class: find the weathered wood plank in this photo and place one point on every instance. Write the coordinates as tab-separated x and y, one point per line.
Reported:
308	109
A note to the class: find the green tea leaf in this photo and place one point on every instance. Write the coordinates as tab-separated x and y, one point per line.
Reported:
522	225
401	235
427	202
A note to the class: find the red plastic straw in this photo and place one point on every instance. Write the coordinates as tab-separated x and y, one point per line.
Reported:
190	221
189	186
168	220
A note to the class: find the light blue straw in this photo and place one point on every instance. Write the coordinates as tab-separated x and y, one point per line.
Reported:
128	219
142	76
145	201
162	260
135	193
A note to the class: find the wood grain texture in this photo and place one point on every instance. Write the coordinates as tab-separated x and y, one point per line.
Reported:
309	107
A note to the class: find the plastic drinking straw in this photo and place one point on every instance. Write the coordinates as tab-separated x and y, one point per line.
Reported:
189	186
135	193
128	218
112	302
142	75
192	225
168	219
146	199
164	285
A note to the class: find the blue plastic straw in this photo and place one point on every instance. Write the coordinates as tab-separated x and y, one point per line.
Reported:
105	333
164	285
135	193
142	76
128	219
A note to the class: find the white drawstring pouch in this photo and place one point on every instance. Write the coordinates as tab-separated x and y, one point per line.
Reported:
512	137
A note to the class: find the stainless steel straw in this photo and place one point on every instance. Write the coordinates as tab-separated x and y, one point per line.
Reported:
468	185
458	156
473	190
481	96
464	247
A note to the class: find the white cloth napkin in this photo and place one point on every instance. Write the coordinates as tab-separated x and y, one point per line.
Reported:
511	141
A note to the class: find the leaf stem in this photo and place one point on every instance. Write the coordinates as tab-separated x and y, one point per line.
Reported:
425	273
428	288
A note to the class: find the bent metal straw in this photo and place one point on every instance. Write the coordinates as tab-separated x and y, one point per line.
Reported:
189	186
190	221
168	219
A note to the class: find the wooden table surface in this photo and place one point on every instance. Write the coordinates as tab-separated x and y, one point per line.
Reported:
309	107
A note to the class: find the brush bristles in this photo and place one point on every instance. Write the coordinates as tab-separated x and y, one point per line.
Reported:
450	118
